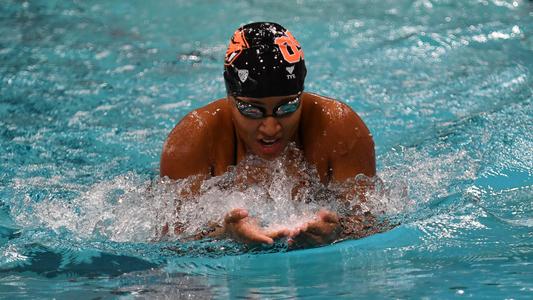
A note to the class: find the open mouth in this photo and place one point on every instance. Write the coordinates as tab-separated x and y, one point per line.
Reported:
270	147
268	142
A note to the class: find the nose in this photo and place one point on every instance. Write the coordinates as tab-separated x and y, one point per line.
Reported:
270	127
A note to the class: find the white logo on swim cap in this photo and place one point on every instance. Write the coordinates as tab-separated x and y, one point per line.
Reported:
290	69
243	75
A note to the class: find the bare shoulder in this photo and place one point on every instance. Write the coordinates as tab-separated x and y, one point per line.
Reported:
335	117
188	149
339	135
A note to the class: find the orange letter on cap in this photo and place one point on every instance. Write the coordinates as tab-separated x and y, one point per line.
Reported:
284	42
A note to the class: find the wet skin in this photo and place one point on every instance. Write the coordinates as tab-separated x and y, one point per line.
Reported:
266	137
330	134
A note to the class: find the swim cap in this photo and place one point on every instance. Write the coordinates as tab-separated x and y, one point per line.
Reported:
264	59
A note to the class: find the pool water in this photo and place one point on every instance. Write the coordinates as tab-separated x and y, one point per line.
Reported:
90	89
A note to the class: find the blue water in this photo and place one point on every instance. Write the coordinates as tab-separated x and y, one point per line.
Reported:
90	89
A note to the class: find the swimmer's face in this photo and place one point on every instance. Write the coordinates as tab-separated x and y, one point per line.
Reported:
266	125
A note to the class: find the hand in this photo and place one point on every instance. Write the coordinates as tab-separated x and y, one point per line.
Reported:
241	227
324	229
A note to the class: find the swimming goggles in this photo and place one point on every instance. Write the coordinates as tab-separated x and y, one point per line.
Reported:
256	112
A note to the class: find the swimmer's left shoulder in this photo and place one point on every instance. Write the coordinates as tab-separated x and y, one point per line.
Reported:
328	107
337	117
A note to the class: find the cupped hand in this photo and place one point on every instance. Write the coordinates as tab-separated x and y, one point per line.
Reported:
241	227
323	229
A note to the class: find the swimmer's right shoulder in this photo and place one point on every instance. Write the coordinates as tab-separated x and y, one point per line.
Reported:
189	147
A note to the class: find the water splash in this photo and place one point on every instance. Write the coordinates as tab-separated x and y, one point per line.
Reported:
131	207
285	192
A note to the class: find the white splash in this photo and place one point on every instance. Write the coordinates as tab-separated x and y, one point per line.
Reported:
132	208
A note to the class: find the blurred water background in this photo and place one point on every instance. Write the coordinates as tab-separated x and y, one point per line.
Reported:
90	89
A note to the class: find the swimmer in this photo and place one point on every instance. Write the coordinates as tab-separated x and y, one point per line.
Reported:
265	110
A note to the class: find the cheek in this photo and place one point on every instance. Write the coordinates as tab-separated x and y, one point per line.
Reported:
290	125
245	131
244	127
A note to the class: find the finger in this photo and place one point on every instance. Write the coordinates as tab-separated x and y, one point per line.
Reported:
277	234
305	239
296	231
263	239
251	237
236	215
249	232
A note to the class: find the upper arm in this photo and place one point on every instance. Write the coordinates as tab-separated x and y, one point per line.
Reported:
359	160
352	149
186	151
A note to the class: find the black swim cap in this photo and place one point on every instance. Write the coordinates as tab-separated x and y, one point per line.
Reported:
264	59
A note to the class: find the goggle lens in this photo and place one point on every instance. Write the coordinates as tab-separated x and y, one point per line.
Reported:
255	112
287	108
